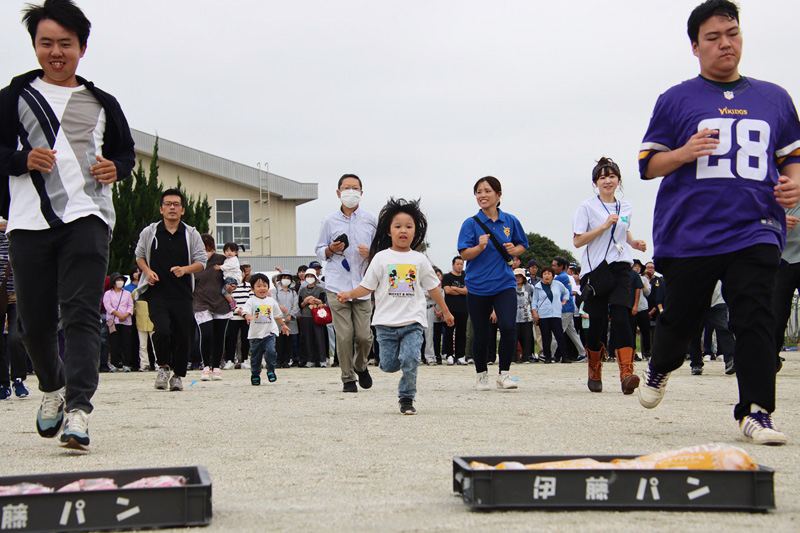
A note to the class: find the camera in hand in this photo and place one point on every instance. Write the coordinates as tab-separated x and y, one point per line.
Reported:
343	239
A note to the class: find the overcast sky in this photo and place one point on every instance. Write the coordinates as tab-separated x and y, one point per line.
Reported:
418	98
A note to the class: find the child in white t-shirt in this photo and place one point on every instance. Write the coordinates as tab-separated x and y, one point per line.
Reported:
400	277
263	315
231	272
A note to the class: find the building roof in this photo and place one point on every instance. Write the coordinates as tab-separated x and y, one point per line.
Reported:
224	169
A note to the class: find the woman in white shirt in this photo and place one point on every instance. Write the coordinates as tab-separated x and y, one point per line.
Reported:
601	225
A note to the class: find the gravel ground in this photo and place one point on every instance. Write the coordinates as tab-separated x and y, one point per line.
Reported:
300	455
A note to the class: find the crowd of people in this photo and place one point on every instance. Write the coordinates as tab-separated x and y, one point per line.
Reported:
721	230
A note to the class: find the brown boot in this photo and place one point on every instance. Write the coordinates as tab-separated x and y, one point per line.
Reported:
595	360
629	380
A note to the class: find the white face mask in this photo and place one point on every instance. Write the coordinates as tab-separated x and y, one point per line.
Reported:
350	198
310	279
119	283
286	282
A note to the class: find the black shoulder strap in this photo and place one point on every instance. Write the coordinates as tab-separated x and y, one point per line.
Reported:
503	253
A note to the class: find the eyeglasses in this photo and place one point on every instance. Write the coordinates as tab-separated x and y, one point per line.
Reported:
171	204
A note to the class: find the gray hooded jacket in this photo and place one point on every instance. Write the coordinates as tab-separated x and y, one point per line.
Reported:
197	251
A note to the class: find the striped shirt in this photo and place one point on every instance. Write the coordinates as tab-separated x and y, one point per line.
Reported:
240	295
4	263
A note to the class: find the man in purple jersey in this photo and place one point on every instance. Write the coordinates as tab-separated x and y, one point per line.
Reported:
728	148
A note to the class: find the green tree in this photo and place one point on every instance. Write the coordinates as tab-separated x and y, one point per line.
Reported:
136	202
543	250
198	211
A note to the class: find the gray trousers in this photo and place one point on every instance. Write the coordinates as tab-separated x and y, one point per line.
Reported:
568	325
429	355
351	322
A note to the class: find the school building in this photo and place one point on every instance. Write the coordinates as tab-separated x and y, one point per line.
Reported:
249	206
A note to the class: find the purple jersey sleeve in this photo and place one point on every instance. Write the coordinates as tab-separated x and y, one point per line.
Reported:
660	136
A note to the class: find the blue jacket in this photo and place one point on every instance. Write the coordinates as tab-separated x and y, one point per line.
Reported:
569	307
543	305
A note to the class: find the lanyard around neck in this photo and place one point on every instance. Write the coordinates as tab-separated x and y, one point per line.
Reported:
617	206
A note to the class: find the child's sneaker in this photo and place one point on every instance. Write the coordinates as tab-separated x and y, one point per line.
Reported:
407	406
50	416
216	374
758	426
206	375
483	381
271	377
505	382
5	393
20	391
255	380
76	430
653	388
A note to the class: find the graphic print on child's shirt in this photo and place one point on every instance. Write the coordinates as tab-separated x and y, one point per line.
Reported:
262	314
402	280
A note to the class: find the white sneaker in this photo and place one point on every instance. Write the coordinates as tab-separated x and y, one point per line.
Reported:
76	430
483	382
246	365
758	426
216	374
323	364
228	365
504	381
652	389
206	375
162	378
462	361
450	360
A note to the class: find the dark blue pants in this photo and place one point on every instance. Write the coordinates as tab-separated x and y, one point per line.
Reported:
504	304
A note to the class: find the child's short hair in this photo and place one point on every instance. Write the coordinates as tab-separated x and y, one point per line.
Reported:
259	277
64	12
393	208
232	246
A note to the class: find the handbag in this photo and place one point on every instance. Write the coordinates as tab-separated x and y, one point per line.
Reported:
322	315
600	281
503	252
4	292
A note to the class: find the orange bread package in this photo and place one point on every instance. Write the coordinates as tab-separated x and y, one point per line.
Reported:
703	457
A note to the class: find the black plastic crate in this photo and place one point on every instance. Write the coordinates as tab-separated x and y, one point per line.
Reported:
662	490
115	509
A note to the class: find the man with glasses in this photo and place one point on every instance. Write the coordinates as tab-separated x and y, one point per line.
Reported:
168	253
344	240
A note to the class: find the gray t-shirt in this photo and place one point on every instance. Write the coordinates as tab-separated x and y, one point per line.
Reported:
791	252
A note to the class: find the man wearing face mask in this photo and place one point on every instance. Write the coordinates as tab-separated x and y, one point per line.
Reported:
344	240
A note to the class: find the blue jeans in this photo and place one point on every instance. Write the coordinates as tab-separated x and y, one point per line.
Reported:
400	350
263	348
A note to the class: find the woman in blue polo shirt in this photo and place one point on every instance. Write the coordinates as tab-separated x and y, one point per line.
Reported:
489	278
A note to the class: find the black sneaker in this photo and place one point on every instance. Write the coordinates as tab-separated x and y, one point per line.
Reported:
730	369
255	380
350	386
271	377
407	406
364	379
697	370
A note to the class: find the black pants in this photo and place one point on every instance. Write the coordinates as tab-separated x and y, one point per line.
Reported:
13	355
62	267
313	338
212	341
286	347
119	344
480	308
716	320
551	327
438	333
748	284
173	332
615	305
456	335
525	337
237	328
642	322
788	281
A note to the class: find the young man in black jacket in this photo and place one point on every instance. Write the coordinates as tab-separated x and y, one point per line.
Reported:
63	142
